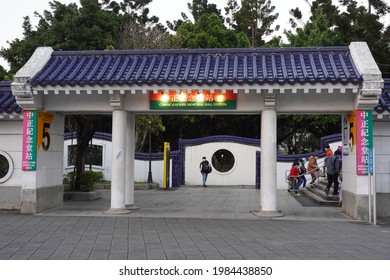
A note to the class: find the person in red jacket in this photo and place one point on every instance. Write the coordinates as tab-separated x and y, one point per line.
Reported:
294	178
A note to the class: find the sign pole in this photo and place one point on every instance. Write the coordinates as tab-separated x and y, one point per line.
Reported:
166	165
369	199
373	183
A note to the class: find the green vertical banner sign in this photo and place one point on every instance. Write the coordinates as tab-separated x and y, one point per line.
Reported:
29	148
364	142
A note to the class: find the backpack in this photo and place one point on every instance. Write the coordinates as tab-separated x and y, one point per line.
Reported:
206	167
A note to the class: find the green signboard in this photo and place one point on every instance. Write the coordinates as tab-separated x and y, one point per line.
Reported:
193	100
29	149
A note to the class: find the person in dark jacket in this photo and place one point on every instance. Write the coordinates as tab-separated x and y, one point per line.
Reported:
333	171
205	169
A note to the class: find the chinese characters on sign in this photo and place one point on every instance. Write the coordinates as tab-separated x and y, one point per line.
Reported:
29	149
194	99
364	142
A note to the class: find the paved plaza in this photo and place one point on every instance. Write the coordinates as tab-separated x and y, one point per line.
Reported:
192	223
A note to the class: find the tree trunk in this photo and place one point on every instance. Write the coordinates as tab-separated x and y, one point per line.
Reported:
85	130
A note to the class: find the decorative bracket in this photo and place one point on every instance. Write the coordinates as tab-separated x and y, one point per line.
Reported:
116	101
269	101
24	97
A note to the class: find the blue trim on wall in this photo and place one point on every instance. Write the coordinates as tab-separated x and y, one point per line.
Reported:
178	157
258	168
220	138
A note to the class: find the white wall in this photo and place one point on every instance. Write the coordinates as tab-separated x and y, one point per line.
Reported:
141	168
242	173
382	156
50	163
106	157
11	143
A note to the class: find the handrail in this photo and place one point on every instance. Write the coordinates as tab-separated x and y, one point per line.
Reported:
319	167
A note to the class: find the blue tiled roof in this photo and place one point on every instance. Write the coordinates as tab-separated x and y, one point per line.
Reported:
199	67
7	100
187	67
384	99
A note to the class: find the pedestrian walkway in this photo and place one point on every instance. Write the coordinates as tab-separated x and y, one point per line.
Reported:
192	223
198	202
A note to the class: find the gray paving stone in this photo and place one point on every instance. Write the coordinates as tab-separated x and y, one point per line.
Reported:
137	254
192	224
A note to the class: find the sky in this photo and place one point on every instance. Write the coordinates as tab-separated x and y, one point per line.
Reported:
12	13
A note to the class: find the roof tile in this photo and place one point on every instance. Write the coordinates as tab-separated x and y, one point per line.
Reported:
199	67
188	67
7	100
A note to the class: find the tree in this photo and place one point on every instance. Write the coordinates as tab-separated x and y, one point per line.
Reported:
201	7
197	9
3	73
133	10
297	133
209	32
136	35
328	26
255	18
361	24
145	125
315	33
357	22
68	27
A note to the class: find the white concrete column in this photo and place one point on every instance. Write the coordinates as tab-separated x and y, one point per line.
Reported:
268	205
130	153
118	162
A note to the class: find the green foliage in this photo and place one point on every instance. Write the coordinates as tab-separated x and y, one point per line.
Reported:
297	133
197	9
3	73
316	33
145	125
329	27
254	18
133	10
66	27
195	126
209	32
201	7
89	179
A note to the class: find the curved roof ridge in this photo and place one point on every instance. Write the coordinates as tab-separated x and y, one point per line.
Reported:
221	51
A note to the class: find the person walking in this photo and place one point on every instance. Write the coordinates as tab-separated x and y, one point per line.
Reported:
328	154
205	169
302	173
312	168
333	171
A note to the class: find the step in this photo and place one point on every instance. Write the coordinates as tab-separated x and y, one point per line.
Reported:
316	192
320	191
82	196
318	198
137	186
